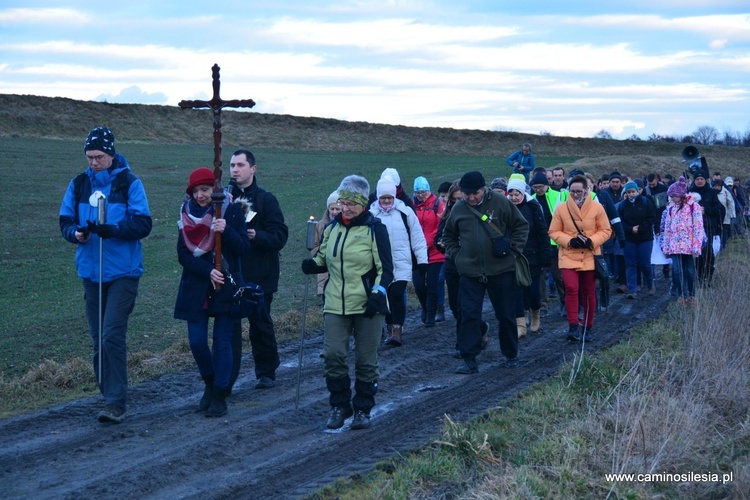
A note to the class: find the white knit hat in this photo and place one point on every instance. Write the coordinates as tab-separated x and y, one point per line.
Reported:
386	187
392	173
332	198
518	185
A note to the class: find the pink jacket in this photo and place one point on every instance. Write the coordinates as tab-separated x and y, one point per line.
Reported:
682	228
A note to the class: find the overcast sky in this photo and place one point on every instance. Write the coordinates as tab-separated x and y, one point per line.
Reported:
565	67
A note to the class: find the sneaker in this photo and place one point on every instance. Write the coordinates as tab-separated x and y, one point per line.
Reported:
631	296
361	420
574	333
511	362
338	415
468	368
485	336
112	413
264	383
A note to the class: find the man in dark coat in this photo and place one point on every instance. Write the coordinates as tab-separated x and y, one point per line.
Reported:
268	235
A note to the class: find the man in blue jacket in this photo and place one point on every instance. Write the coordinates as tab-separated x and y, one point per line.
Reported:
126	222
522	161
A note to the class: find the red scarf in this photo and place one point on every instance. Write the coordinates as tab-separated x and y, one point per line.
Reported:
196	232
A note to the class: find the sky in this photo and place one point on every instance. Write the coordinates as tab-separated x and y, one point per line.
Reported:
566	68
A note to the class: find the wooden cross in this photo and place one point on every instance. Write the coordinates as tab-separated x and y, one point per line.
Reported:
217	104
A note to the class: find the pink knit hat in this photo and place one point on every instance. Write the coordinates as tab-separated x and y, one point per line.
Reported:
679	188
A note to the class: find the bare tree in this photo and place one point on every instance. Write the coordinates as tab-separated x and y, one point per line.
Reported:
706	134
603	134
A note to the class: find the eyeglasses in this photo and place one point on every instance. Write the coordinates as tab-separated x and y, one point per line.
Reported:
538	187
97	158
577	191
347	205
421	193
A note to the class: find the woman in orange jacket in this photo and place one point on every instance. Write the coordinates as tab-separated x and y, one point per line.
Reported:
580	227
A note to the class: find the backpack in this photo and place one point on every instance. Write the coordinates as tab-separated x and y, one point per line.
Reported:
122	183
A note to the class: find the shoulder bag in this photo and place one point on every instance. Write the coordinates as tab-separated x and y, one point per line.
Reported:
601	270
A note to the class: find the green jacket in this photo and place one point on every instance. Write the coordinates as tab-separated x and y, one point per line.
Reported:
469	244
358	260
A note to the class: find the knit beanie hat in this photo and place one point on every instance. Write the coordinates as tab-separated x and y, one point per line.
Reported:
354	188
630	185
332	198
393	174
518	185
198	177
100	139
499	183
615	175
700	173
386	187
471	182
679	188
421	184
539	178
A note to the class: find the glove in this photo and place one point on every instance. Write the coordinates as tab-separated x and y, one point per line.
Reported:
587	243
423	268
576	243
103	230
85	230
309	266
372	306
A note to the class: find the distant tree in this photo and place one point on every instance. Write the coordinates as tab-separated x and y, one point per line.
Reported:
634	137
545	133
688	139
603	134
654	138
668	138
706	134
746	138
732	138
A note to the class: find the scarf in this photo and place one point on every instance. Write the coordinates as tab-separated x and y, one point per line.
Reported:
388	208
195	227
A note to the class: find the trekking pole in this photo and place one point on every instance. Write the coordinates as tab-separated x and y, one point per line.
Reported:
100	219
311	225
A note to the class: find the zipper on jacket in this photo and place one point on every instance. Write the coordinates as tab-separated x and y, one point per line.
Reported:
341	264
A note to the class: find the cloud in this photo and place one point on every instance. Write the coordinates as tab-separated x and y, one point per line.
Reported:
68	17
133	94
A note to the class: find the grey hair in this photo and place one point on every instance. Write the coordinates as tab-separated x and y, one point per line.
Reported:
355	184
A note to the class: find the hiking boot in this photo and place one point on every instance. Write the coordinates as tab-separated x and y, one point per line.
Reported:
389	334
511	362
338	415
360	421
468	368
588	333
397	336
218	406
574	333
535	320
112	413
265	383
440	314
207	393
485	336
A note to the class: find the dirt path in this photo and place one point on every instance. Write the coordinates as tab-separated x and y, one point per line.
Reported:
264	447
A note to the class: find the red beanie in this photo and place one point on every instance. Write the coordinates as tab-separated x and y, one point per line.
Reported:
200	176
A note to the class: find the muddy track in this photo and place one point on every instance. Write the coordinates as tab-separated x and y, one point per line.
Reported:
265	447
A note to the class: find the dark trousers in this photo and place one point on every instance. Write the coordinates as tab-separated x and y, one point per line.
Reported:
638	260
426	288
471	297
263	342
704	266
396	303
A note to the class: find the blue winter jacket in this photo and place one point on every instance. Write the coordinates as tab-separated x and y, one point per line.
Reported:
127	210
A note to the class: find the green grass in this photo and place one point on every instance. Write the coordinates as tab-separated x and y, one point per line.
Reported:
42	300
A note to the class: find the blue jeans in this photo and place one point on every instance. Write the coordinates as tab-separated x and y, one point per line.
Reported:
118	301
218	362
638	259
683	276
471	298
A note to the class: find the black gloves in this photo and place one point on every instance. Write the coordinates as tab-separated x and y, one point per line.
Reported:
310	267
373	305
578	243
103	230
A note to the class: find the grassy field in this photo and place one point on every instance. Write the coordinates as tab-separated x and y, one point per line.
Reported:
42	301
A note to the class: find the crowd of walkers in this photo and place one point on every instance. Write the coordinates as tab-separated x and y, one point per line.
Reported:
582	238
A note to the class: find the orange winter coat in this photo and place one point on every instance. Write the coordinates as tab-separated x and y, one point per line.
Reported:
593	222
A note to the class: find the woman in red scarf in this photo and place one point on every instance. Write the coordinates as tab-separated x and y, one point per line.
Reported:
196	300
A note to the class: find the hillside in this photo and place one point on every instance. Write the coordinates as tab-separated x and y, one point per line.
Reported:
61	118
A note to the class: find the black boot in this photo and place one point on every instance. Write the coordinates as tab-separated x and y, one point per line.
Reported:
218	406
207	392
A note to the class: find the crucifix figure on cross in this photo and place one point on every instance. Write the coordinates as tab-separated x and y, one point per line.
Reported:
217	104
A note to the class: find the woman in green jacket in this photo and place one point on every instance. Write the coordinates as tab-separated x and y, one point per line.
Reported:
356	253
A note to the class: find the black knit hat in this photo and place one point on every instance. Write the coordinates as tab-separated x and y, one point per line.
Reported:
471	182
100	139
539	178
615	175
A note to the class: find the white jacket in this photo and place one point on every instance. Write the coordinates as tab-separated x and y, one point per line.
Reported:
400	250
726	199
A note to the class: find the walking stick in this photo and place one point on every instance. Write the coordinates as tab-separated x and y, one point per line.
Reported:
311	225
100	219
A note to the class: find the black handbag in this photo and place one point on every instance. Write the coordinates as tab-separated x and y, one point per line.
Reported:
239	300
